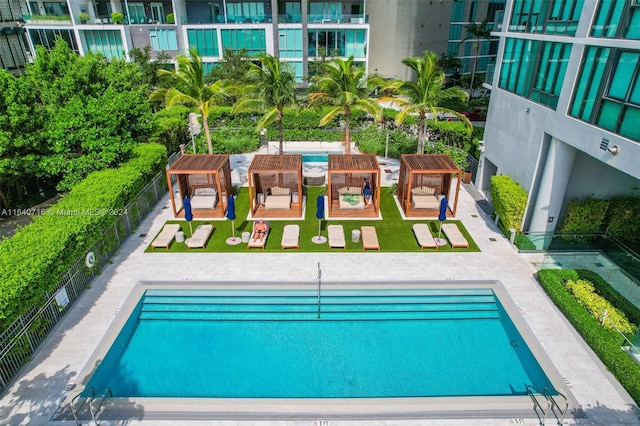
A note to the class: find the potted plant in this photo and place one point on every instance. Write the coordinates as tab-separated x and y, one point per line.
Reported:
117	18
84	17
171	19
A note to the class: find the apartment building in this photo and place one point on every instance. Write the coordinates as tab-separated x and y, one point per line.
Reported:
13	48
564	117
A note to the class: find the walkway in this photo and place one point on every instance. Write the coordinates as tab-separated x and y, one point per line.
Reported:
44	382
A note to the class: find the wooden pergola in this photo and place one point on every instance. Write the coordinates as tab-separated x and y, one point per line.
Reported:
200	173
351	171
268	171
431	170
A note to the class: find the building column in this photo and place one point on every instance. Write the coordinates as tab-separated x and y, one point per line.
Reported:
304	6
275	31
551	191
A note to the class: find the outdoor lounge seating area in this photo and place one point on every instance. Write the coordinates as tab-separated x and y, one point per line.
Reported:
346	177
205	179
391	234
425	178
275	186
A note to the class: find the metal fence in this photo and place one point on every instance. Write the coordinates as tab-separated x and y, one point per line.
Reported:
22	338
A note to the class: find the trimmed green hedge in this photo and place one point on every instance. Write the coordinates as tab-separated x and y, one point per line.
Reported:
33	259
623	220
509	202
585	216
605	343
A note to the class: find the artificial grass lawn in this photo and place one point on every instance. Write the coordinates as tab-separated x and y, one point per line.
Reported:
394	234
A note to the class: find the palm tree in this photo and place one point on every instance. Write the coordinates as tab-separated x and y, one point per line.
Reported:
271	89
190	89
476	32
424	95
345	87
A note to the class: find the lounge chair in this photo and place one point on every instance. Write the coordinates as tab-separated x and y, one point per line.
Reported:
369	238
290	237
258	243
166	236
336	237
200	237
424	236
455	237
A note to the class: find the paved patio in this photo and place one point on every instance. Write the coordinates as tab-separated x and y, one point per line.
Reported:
43	384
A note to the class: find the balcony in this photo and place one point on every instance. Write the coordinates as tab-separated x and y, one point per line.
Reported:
48	19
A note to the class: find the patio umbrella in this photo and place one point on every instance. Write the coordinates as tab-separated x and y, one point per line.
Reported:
188	214
231	215
319	239
442	217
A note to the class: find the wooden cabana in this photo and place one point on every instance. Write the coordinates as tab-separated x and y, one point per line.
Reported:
205	179
422	180
275	186
346	175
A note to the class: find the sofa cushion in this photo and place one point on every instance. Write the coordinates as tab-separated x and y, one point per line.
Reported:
276	190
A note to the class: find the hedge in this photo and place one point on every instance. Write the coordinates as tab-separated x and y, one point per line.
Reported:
605	343
509	202
585	216
33	259
623	220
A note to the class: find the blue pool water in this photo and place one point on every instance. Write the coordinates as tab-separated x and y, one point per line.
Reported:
315	156
270	344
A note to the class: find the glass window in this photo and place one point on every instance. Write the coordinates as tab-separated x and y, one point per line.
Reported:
290	42
164	40
546	16
56	8
623	74
47	38
205	40
108	43
136	13
629	126
534	70
457	14
254	40
325	11
293	12
245	12
609	114
633	31
617	19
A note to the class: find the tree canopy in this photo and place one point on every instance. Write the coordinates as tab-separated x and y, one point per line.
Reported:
66	116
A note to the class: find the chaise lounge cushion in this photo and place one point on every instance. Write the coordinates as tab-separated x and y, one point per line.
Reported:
278	199
204	198
369	238
200	236
258	243
455	237
290	237
336	236
424	236
166	236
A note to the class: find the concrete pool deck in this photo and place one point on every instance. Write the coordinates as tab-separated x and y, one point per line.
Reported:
51	376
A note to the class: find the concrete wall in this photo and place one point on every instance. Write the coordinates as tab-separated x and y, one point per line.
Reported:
404	28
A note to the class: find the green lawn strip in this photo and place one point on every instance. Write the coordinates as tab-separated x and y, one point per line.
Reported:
394	234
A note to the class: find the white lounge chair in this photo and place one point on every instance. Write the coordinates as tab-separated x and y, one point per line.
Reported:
258	243
290	237
166	236
336	237
424	236
455	237
200	237
369	238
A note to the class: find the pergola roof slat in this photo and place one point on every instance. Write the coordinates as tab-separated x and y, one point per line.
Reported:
432	163
285	163
198	163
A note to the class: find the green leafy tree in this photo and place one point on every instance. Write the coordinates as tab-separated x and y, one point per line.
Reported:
78	114
189	88
425	95
344	87
233	67
271	90
150	67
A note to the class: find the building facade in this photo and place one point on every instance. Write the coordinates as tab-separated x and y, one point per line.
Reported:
564	116
13	47
296	31
377	33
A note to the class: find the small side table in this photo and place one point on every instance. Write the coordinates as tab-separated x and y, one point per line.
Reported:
355	236
245	237
179	237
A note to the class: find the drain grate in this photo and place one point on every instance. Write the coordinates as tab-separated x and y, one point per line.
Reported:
492	239
142	235
599	265
474	215
388	171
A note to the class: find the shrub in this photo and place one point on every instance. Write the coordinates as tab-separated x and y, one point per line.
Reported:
170	128
33	259
585	216
523	242
83	17
605	343
117	18
623	220
509	202
171	18
584	293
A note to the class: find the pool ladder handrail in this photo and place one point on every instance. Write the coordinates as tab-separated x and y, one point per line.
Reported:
106	393
551	404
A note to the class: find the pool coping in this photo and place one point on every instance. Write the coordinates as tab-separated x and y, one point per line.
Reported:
317	408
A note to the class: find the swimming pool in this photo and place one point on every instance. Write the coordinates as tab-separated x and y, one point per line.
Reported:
314	156
382	343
